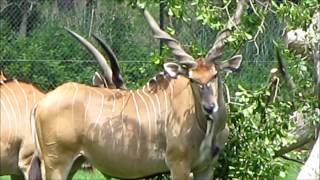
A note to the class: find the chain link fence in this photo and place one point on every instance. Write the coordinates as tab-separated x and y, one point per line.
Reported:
35	46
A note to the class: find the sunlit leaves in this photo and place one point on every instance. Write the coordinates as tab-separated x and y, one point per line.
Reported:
257	130
296	15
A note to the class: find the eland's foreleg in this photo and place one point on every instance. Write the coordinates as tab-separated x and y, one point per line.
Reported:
217	147
206	145
178	159
25	157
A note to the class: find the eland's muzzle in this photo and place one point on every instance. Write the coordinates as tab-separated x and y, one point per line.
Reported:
209	109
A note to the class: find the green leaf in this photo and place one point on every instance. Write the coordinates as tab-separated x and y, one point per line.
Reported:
248	36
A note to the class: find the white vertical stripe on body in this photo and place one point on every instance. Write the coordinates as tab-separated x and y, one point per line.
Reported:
159	106
110	120
166	110
12	111
25	100
114	104
87	107
158	117
15	100
101	106
2	105
171	89
139	120
61	95
26	116
60	99
153	107
123	125
137	111
73	100
148	112
122	112
17	120
5	109
33	95
100	112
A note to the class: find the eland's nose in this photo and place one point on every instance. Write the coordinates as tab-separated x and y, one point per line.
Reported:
209	109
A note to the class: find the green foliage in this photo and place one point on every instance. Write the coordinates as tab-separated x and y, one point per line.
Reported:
253	138
46	47
84	175
13	15
258	128
297	15
49	56
293	171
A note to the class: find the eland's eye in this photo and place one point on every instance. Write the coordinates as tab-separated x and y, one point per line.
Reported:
201	86
208	85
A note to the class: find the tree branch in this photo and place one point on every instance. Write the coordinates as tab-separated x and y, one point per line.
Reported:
215	52
304	135
291	159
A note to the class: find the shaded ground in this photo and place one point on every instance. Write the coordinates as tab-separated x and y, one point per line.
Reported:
96	175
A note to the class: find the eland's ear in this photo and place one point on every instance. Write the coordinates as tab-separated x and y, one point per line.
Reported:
98	80
231	64
173	69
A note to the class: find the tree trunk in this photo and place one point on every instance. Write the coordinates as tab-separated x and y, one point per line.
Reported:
26	8
161	16
316	53
65	5
3	4
311	169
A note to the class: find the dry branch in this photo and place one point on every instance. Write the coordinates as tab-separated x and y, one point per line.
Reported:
284	72
215	51
291	159
273	85
304	136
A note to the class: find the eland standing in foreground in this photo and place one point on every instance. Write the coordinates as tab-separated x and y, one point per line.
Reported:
175	123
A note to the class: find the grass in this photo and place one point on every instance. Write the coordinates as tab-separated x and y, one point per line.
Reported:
85	175
80	175
4	178
293	171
